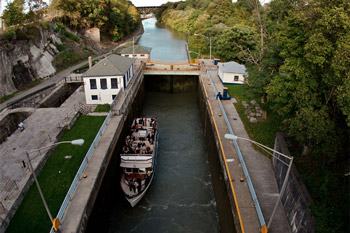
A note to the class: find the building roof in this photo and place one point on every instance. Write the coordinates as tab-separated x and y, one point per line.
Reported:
111	65
138	49
232	67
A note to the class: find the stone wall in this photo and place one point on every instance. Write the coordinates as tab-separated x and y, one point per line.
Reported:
296	198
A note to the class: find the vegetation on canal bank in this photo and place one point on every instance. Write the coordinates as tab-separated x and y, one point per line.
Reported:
297	58
55	178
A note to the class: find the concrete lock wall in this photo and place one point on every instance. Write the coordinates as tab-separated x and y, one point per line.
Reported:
224	202
296	198
171	83
9	124
106	188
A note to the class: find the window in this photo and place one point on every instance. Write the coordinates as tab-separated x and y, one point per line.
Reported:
103	82
236	78
126	55
114	83
94	97
93	84
113	97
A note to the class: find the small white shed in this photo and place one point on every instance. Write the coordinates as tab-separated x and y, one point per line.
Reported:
136	51
232	73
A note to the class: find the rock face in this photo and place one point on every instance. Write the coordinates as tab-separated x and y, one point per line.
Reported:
22	62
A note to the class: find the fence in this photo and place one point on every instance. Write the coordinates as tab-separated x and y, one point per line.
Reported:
74	78
244	167
81	169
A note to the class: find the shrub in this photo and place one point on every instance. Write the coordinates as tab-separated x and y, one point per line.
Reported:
60	47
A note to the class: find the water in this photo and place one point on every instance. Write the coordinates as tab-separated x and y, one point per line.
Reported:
165	44
181	197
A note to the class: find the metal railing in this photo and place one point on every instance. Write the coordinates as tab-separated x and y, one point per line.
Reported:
74	78
129	94
244	167
79	174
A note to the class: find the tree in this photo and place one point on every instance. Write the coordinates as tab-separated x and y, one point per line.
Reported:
236	43
313	95
13	14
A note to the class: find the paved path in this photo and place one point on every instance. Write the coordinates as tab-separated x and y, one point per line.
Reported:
41	128
259	167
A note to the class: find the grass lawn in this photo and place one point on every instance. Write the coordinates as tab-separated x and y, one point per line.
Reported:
55	178
263	132
103	108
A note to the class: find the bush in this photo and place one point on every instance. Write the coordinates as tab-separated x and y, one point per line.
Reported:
10	34
60	47
45	25
60	28
66	58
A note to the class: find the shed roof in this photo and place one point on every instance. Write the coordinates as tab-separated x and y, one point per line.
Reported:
232	67
111	65
138	49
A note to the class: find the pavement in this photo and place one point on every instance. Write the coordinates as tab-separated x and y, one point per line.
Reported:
42	128
259	166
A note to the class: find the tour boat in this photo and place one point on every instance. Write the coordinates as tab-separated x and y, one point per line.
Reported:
138	159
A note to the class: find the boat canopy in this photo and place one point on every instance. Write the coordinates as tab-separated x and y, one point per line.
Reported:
128	161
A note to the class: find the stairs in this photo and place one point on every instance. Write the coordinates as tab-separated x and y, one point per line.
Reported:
82	108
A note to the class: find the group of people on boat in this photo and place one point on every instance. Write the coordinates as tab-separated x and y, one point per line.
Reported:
142	136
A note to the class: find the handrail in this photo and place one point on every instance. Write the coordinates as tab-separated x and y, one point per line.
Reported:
129	93
244	167
79	173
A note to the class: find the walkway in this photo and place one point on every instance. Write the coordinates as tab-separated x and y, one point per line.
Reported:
259	166
41	128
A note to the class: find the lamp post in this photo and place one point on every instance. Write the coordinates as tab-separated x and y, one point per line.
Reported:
133	47
78	142
269	150
209	42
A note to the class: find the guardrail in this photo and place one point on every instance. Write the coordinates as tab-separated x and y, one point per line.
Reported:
74	78
128	94
244	167
79	174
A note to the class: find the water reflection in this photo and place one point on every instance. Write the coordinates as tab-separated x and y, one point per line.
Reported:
165	44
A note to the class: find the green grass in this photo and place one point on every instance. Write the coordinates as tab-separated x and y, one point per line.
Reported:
103	108
264	131
55	178
194	53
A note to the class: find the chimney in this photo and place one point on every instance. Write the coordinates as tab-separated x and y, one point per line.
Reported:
90	62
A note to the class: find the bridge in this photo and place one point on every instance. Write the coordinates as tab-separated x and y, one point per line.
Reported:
161	67
148	9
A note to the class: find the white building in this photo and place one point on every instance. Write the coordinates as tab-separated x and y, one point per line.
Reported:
136	51
232	73
105	79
